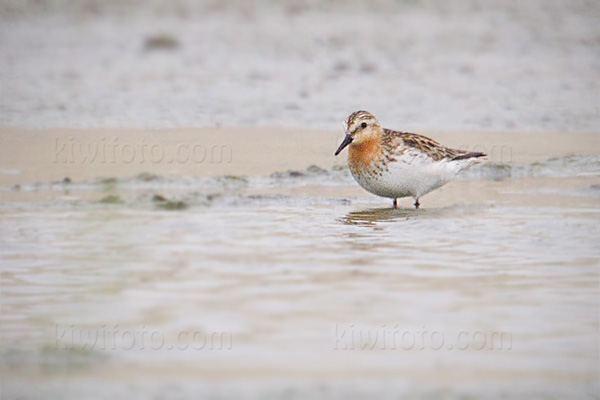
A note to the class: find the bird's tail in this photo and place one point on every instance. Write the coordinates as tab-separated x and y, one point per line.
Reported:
473	154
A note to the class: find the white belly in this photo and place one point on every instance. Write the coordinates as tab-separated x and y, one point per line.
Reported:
412	174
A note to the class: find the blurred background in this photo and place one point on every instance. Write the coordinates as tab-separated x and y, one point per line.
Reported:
267	272
468	64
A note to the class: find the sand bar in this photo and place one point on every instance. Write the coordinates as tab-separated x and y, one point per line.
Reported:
30	156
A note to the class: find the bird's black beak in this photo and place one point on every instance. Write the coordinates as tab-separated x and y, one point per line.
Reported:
346	142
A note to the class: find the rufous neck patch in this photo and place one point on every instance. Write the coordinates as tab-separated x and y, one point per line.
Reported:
360	155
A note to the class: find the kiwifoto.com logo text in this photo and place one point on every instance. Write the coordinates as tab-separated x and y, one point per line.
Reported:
393	337
72	150
114	337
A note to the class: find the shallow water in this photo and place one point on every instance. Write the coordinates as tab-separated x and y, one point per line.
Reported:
298	284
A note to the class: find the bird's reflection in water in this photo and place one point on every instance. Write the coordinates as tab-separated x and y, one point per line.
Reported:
371	216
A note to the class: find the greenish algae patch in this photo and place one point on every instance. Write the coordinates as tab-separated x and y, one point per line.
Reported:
111	199
166	204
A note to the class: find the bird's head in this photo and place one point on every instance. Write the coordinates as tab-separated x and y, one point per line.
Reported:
360	126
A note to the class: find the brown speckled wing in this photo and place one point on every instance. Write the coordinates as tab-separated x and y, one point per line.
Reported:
430	147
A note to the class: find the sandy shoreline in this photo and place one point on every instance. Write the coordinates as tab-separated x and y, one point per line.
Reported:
30	156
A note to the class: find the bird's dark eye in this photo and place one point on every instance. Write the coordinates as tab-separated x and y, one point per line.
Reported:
363	125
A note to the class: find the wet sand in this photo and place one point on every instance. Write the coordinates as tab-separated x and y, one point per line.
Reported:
428	65
300	283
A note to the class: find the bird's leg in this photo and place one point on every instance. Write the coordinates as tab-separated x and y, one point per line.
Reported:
395	203
417	204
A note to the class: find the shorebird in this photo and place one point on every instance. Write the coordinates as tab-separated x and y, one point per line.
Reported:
398	164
